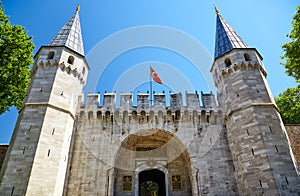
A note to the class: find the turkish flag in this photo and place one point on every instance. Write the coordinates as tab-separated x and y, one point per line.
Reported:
155	76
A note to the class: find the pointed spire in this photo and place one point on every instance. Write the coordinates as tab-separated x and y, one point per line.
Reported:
226	38
70	35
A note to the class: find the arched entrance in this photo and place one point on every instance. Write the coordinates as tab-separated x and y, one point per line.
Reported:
153	160
152	183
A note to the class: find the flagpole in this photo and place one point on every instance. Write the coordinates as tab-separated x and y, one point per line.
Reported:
150	87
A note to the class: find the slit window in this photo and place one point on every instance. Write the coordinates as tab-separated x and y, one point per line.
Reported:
12	190
83	70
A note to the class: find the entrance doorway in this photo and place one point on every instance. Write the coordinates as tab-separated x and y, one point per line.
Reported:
152	183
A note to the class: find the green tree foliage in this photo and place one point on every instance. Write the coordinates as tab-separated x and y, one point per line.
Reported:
16	53
288	103
292	49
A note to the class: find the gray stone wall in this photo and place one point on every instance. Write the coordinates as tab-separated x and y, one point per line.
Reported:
3	150
103	133
256	135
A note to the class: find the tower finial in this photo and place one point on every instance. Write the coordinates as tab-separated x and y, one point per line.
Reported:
78	8
216	9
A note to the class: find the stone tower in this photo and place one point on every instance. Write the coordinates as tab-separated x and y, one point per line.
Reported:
258	141
37	157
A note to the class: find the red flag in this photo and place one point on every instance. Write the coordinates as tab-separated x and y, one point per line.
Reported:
155	76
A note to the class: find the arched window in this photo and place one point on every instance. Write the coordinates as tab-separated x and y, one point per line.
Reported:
177	115
169	113
143	116
143	113
107	116
134	115
247	57
51	55
99	115
71	60
227	62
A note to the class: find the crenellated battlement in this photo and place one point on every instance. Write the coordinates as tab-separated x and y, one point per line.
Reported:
143	103
70	69
236	67
247	59
143	112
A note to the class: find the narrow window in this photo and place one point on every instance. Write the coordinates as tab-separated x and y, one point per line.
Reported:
83	70
53	131
51	55
227	62
276	149
48	153
260	183
247	57
287	182
71	60
12	190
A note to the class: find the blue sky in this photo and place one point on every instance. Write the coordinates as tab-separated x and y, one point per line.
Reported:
261	24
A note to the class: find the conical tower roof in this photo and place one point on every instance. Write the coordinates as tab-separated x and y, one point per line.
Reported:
226	38
70	35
